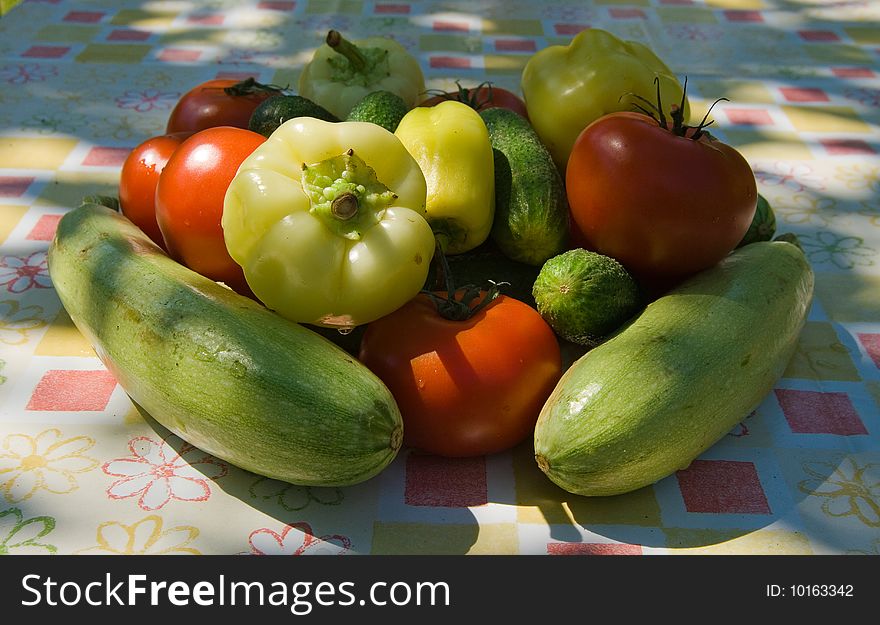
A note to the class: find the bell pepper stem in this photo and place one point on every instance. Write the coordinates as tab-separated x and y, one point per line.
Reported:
345	206
347	49
345	194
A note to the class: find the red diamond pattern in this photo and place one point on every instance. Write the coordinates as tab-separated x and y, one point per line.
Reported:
749	117
593	549
445	482
73	390
44	229
803	94
871	343
722	487
812	412
14	186
106	157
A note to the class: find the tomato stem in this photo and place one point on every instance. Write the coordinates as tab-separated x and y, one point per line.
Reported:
676	112
662	119
250	86
459	302
466	95
699	131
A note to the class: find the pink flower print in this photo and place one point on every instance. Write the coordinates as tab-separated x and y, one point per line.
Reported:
796	177
239	56
29	72
156	473
20	273
296	539
144	101
691	32
564	13
322	23
864	95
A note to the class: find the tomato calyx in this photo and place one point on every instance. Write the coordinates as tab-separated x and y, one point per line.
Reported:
460	303
676	112
250	86
471	97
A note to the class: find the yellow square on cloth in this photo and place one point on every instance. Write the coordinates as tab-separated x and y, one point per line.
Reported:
35	152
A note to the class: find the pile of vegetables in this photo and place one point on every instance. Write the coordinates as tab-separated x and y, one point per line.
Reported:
303	283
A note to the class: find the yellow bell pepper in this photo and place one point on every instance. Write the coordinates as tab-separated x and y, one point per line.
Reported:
566	88
342	72
451	144
328	222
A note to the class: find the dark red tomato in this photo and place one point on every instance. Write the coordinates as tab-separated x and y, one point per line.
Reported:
189	201
483	96
218	102
138	180
666	202
465	388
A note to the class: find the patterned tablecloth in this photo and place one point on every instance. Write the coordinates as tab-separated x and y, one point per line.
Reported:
81	471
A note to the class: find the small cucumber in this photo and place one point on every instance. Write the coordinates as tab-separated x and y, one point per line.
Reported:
382	108
531	209
218	369
672	383
585	296
763	225
274	111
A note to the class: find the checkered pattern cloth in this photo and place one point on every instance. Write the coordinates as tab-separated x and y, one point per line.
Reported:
81	471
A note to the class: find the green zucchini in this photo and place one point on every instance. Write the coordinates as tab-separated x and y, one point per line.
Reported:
531	208
677	378
219	370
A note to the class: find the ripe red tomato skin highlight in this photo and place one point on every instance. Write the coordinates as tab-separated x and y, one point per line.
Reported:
207	105
665	206
189	201
138	179
465	388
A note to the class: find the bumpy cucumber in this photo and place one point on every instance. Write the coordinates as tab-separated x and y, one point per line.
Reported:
218	369
531	209
382	108
763	225
668	386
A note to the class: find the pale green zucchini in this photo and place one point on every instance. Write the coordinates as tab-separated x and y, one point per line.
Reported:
675	380
218	369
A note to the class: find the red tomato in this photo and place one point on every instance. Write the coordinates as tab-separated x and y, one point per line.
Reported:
189	201
138	180
465	388
218	102
665	202
483	96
